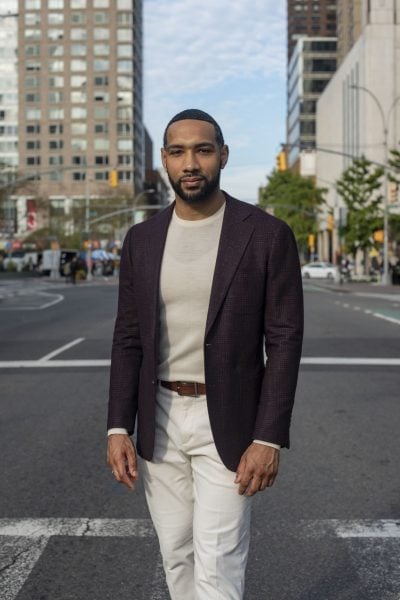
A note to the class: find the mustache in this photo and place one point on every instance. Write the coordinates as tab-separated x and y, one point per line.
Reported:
191	176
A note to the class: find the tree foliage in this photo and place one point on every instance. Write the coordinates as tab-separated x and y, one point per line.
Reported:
296	200
359	186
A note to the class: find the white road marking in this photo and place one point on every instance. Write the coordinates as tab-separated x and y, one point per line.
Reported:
346	305
356	308
57	298
46	364
62	349
96	363
386	318
18	556
338	360
36	528
367	529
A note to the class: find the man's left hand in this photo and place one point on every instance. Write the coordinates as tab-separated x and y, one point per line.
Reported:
257	469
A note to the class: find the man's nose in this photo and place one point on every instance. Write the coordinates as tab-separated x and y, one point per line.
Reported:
190	163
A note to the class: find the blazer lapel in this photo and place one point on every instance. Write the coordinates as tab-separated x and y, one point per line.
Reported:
235	235
155	248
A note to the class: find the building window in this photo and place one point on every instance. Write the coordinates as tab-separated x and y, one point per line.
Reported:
79	160
125	175
78	97
124	129
55	4
56	176
101	160
124	4
56	65
101	49
78	65
32	97
33	128
32	50
32	4
78	176
33	160
78	128
55	97
100	18
78	81
125	66
101	3
125	159
56	144
31	114
32	34
56	113
125	113
124	145
55	19
78	112
56	82
101	97
56	51
101	176
101	112
33	145
78	35
56	128
125	19
78	3
101	65
124	50
32	66
101	144
125	35
32	19
56	160
78	50
55	34
78	144
101	128
31	81
101	33
78	18
101	80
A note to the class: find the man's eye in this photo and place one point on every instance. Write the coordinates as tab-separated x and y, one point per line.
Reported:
175	152
205	150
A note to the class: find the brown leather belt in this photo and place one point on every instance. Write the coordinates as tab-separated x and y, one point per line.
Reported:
185	388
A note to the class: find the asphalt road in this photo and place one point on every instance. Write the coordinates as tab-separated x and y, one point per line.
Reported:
328	530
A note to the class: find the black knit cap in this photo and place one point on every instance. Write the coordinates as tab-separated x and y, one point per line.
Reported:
197	115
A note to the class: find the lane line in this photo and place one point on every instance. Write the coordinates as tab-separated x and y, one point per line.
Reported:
82	527
338	360
389	528
62	349
96	363
58	298
385	318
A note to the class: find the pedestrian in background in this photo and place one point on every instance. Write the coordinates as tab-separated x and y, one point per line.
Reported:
203	286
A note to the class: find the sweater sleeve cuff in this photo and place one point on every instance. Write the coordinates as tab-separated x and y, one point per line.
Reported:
121	430
276	446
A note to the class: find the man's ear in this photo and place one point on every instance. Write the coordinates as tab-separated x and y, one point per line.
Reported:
224	155
164	158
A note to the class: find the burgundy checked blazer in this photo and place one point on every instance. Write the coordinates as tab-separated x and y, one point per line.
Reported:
256	300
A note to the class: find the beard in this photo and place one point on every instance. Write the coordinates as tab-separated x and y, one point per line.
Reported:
197	197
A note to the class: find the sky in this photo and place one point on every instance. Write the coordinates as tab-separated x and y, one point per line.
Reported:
227	58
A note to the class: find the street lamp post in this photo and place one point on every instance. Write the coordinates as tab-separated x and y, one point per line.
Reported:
385	124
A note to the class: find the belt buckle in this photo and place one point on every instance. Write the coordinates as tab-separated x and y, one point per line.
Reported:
182	383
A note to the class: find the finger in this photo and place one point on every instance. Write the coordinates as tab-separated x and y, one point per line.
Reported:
123	477
254	486
240	470
132	464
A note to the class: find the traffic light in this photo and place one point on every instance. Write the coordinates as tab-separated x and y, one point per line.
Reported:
330	223
281	164
311	242
379	236
113	178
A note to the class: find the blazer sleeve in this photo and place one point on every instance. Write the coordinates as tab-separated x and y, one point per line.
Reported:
283	330
126	354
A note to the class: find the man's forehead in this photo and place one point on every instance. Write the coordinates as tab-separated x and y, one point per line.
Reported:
191	128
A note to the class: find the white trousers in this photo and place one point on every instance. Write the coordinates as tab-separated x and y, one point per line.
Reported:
202	523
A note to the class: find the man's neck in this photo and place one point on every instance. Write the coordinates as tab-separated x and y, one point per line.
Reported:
201	210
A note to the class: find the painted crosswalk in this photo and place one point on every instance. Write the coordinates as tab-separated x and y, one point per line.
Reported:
23	541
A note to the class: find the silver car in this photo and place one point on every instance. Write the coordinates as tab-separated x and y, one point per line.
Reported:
319	270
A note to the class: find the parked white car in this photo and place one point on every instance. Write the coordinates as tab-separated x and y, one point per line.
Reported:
319	270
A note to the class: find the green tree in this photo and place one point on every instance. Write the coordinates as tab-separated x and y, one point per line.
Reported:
394	176
360	186
296	200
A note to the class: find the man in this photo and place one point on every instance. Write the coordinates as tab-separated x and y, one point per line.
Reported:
203	285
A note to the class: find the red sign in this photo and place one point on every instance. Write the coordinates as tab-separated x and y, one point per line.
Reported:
31	211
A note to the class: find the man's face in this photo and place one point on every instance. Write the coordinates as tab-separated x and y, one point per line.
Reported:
193	160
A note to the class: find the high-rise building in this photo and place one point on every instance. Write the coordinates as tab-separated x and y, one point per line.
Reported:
8	86
310	18
349	26
80	96
311	67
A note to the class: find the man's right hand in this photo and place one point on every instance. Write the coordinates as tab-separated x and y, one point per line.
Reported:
121	457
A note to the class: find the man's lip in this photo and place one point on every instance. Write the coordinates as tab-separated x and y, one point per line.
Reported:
191	179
